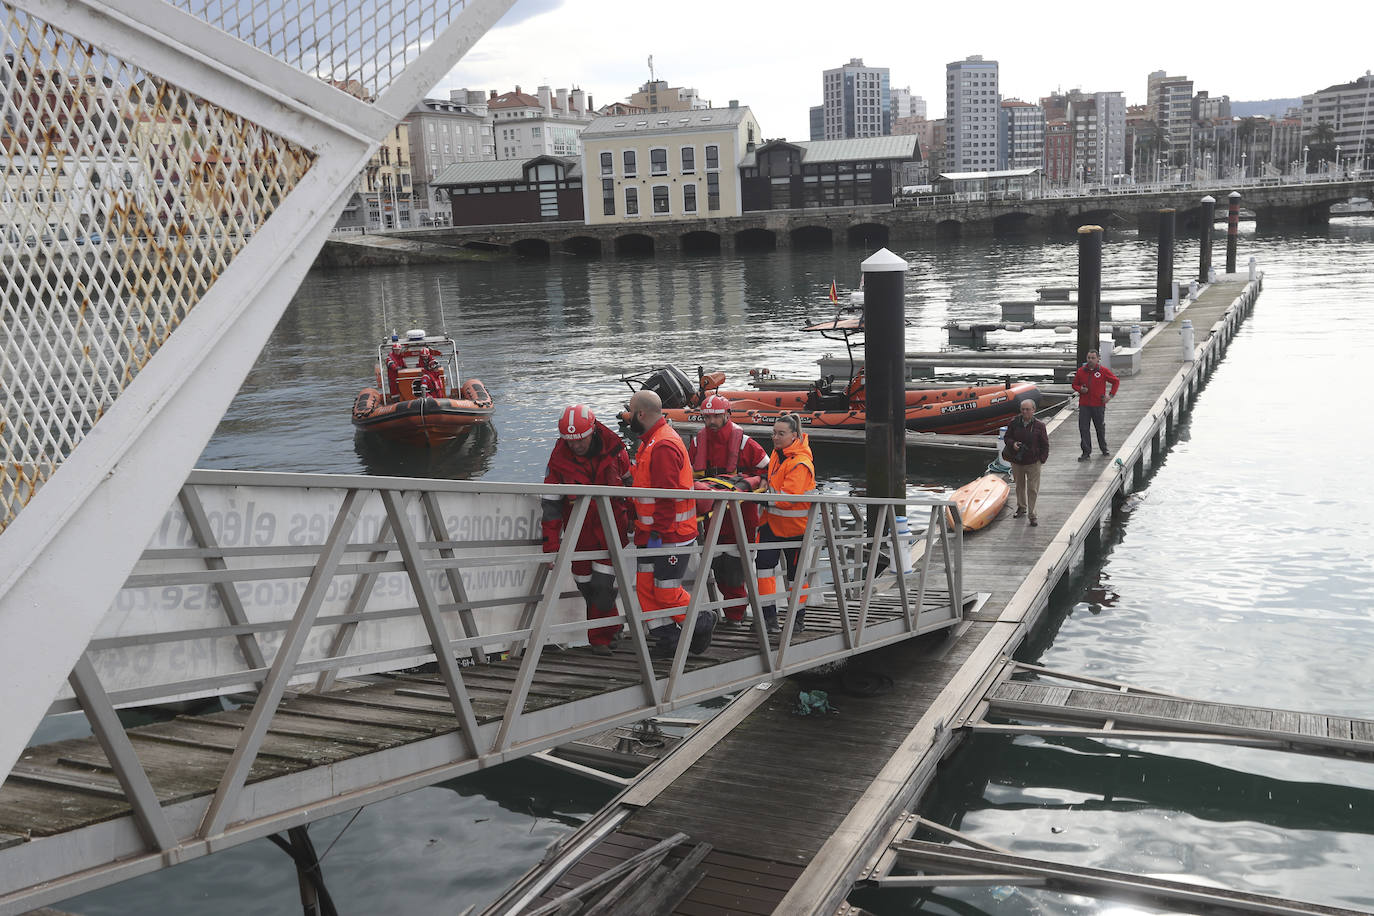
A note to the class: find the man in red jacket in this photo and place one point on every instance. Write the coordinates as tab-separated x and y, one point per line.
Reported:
722	450
1090	381
588	453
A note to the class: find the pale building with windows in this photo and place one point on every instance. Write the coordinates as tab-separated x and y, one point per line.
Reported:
1170	106
1348	108
444	132
383	196
680	165
856	101
656	95
1023	135
524	126
973	110
906	105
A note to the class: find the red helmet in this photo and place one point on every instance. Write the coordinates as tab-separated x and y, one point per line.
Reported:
577	422
715	404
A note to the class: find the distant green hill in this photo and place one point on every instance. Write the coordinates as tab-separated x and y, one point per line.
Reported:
1268	108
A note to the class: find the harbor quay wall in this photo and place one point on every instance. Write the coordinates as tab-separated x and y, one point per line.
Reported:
871	226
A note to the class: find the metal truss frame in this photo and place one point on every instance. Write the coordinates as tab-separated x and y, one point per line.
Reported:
98	507
838	565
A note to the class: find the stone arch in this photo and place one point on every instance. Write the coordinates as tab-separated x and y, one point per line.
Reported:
582	246
1014	223
756	240
700	241
947	230
532	248
636	243
812	237
868	235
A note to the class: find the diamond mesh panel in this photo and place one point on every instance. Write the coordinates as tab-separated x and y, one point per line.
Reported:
124	199
357	46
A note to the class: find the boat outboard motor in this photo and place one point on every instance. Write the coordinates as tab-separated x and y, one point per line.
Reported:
672	386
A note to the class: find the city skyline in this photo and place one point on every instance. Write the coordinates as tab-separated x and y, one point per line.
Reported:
535	44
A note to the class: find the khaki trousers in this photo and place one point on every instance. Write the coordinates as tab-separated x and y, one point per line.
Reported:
1027	477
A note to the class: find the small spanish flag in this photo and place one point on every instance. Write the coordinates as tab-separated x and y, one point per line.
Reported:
834	293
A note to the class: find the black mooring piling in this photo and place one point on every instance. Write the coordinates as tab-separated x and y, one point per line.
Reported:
884	368
1089	289
1164	274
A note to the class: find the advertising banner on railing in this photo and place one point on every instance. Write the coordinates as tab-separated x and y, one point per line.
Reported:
170	626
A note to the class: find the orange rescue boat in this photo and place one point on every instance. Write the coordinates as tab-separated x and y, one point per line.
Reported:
413	401
963	410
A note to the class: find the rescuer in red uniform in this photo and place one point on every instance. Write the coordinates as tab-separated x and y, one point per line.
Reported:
395	362
662	463
588	453
1091	381
722	450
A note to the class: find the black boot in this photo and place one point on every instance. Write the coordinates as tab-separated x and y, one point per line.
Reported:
665	640
701	633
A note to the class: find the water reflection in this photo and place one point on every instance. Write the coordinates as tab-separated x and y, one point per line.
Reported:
467	457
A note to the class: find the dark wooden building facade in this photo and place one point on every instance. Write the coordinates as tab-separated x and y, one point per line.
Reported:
543	189
824	173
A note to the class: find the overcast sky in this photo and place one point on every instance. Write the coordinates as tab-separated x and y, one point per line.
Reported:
770	55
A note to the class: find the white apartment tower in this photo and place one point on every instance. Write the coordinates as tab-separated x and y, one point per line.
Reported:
973	142
1023	135
856	101
1348	108
1170	101
1111	134
906	105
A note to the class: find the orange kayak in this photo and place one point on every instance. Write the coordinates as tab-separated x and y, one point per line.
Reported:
980	501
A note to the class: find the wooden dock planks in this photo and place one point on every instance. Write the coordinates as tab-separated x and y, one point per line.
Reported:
717	800
69	785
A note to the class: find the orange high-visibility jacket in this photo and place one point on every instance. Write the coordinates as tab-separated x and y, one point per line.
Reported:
675	520
791	470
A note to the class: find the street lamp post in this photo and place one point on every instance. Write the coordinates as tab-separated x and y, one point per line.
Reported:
1338	161
1243	173
1304	162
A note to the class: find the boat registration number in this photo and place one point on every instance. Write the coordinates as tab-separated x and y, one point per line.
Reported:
956	408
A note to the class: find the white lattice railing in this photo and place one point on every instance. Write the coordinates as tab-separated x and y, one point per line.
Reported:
170	172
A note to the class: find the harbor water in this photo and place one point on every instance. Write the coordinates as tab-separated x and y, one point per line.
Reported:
1244	572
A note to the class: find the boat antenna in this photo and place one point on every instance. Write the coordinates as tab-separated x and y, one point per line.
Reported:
384	321
443	319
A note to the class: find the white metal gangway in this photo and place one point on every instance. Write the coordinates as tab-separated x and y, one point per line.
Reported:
171	171
292	589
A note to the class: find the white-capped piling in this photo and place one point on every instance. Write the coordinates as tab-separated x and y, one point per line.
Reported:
884	365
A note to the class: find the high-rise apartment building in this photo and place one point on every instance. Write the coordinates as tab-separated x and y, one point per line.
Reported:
1096	123
906	105
1211	108
1348	108
972	114
856	101
817	122
1111	134
1023	135
1170	101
